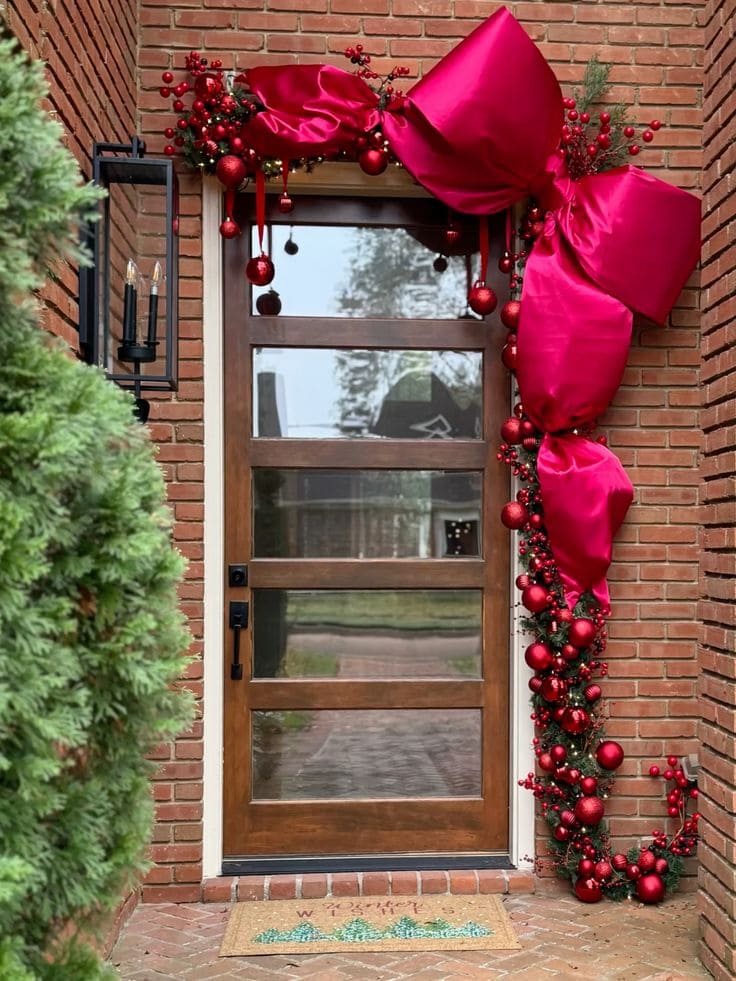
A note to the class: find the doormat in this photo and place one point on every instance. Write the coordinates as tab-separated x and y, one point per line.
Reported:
371	923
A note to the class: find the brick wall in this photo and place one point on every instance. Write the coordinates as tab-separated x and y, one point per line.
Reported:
90	49
718	473
654	49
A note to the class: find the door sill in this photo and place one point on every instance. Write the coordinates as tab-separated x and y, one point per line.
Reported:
294	864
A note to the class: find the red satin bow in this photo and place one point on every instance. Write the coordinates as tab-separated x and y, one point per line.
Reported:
480	131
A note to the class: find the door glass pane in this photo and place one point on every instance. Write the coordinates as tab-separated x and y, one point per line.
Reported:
415	514
342	755
370	633
375	272
322	393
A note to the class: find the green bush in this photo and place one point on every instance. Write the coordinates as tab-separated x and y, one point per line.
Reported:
91	641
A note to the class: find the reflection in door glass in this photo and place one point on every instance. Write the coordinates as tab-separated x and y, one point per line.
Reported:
349	755
374	272
369	633
325	393
399	514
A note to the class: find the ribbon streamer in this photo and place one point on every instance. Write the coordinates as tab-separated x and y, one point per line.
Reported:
481	131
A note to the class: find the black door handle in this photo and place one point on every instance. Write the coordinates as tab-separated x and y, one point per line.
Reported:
238	621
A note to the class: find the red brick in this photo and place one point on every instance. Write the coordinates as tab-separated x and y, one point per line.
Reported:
220	890
404	883
491	881
282	887
251	887
376	883
434	882
314	886
344	884
463	882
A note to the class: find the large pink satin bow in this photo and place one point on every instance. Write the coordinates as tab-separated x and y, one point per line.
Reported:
480	131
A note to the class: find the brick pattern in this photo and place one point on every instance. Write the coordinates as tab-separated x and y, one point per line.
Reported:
90	48
319	885
717	607
654	50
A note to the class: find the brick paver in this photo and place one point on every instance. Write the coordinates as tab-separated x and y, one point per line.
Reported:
560	937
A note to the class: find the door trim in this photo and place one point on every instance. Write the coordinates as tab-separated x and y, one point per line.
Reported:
521	821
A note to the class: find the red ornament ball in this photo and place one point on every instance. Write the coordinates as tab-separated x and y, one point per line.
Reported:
260	270
589	785
229	228
269	304
514	515
373	162
285	204
535	684
505	263
511	431
482	299
581	632
568	819
588	890
661	866
654	771
589	810
592	693
586	867
509	355
647	860
603	870
558	753
553	689
619	862
575	721
539	658
231	170
452	235
632	872
650	888
544	760
510	313
207	86
672	761
534	598
561	833
609	755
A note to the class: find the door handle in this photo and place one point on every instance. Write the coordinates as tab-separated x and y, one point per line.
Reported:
238	621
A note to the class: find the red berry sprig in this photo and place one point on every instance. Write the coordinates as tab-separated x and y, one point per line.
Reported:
591	145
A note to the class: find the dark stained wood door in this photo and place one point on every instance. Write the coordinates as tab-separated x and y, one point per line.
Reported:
362	492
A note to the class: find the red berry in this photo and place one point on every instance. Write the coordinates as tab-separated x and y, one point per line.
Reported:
605	117
655	124
672	761
169	150
629	131
634	149
654	771
169	78
647	136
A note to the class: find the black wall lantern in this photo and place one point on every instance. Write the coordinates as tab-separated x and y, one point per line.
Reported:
128	298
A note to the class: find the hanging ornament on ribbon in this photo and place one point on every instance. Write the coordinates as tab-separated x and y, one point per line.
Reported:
260	270
286	205
482	299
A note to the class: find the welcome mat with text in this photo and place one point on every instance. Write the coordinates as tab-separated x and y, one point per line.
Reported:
369	923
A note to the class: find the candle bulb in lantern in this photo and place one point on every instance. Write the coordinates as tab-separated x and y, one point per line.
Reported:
153	305
129	304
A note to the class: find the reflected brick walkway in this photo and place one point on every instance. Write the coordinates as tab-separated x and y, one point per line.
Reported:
560	937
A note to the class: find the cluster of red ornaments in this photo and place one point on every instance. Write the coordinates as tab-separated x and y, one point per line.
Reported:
590	145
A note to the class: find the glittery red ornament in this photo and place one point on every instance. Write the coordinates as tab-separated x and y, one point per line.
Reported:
575	721
592	693
539	657
603	870
619	861
207	86
609	755
482	299
285	204
661	866
510	314
650	888
260	270
505	263
588	890
647	860
535	684
589	810
581	632
229	228
553	689
589	785
509	356
231	170
511	431
269	304
514	515
534	598
373	162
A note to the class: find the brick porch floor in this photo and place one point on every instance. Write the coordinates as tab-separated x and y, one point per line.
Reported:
560	937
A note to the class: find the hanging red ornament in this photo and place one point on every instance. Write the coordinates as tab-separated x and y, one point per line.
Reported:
452	235
553	689
511	431
506	263
229	228
285	204
575	721
514	515
588	890
510	312
539	658
269	304
589	785
231	170
589	810
581	632
440	264
482	299
534	598
508	356
373	162
650	888
260	270
609	755
592	693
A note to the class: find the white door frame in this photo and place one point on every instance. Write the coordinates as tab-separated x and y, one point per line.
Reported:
521	830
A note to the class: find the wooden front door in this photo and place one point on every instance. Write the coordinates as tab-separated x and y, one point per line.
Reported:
362	495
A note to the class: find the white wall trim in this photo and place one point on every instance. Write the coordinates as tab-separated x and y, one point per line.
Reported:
214	526
521	827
